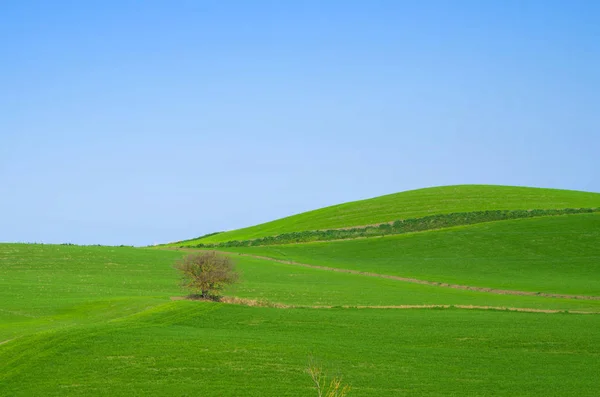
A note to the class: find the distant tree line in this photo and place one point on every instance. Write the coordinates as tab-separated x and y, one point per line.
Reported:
398	227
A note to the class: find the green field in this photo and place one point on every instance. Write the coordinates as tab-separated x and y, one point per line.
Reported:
193	348
294	285
110	321
553	254
414	204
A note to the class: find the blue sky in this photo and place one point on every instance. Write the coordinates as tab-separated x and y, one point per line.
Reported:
136	122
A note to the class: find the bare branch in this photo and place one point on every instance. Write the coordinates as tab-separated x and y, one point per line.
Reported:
206	273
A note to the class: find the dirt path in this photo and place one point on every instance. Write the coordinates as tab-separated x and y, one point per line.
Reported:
414	280
262	303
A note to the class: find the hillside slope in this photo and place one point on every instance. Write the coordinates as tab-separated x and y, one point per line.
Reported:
558	254
414	204
83	321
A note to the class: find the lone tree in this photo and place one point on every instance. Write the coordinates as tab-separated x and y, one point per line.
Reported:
206	273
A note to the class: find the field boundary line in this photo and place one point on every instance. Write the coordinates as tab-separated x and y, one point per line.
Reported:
388	228
234	300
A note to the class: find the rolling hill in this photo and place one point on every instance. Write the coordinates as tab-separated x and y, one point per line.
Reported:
559	254
500	307
413	204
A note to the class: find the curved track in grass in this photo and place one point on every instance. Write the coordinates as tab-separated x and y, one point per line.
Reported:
417	281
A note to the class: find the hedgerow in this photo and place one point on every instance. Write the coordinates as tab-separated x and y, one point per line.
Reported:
399	226
192	239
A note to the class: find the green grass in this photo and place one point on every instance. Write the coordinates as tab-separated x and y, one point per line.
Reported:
554	254
80	321
290	284
414	204
208	349
44	286
412	225
48	286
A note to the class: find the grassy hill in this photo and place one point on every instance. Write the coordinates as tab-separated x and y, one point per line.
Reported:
550	254
493	308
414	204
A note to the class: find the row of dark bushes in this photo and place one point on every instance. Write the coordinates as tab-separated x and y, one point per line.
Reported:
399	227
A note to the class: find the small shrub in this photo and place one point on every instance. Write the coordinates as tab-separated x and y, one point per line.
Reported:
335	388
206	273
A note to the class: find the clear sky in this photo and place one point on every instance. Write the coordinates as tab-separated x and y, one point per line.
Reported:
136	122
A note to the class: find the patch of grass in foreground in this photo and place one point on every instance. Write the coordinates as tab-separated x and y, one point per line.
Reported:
209	349
555	254
49	286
